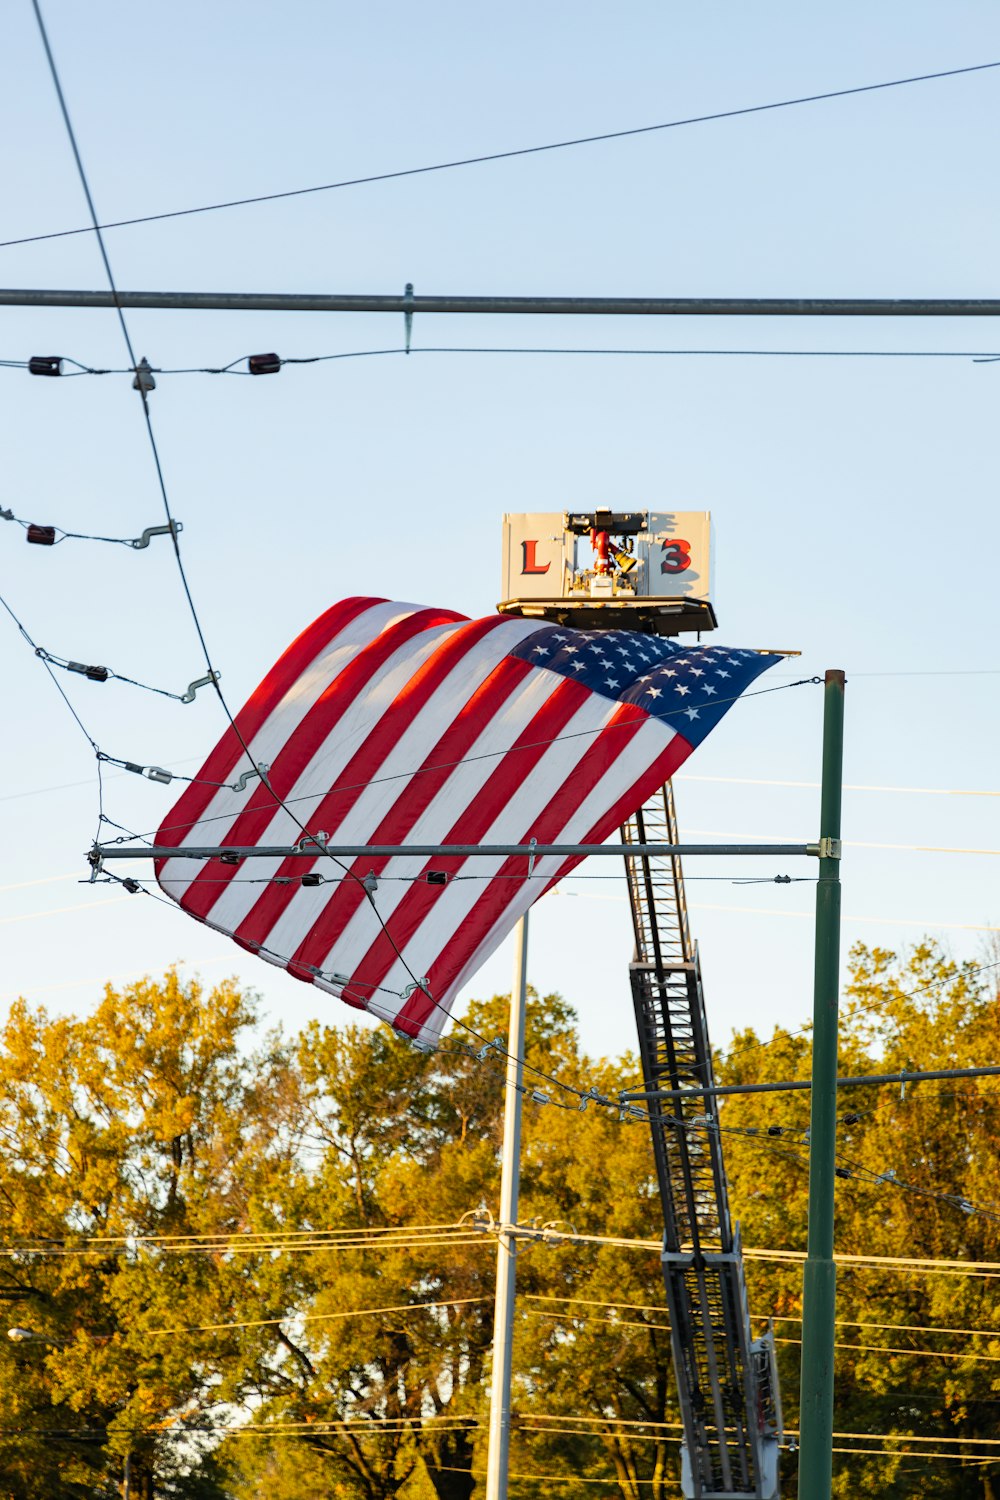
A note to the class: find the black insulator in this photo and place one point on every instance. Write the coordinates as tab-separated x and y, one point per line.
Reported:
96	674
42	536
775	1130
264	364
313	878
132	886
45	364
842	1172
437	877
851	1120
227	857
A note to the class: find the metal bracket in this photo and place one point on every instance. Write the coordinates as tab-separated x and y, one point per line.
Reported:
408	314
193	687
317	840
240	784
829	848
420	984
173	529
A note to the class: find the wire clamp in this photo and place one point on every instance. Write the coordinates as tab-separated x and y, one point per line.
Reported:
828	848
418	984
531	857
173	529
199	682
314	840
261	770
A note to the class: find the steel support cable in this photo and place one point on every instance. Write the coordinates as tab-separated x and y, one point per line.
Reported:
793	1258
663	1437
279	1247
444	765
991	1333
977	356
468	161
143	393
357	1312
583	1096
450	1227
956	977
929	791
854	1171
932	791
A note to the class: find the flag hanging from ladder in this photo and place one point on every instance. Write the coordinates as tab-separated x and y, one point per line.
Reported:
388	723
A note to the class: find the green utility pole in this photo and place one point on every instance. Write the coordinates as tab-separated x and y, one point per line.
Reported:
819	1293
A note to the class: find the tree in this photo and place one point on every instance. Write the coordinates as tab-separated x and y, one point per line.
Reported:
935	1148
128	1139
275	1246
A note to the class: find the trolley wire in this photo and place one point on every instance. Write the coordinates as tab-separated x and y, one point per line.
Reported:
468	161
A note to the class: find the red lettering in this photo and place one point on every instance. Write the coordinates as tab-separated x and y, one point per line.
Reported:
530	563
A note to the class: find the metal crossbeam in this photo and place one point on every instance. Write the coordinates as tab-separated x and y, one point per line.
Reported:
408	304
311	849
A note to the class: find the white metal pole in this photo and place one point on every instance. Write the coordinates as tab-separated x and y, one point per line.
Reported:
510	1180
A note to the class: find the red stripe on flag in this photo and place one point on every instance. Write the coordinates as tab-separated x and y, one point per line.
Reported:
567	699
286	671
501	890
295	755
362	768
462	733
666	765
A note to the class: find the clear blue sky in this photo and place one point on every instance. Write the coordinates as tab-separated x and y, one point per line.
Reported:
855	500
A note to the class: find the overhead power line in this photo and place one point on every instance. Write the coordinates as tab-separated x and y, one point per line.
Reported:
511	153
929	791
144	383
277	363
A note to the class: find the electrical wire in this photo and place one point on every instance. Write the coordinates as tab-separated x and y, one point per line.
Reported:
784	1036
105	674
357	1312
143	389
443	765
929	791
977	356
468	161
772	838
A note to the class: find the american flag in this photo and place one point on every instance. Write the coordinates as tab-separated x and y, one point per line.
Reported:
387	723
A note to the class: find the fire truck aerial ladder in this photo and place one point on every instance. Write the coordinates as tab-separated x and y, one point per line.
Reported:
651	572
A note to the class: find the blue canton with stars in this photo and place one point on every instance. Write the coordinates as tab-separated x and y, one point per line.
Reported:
689	687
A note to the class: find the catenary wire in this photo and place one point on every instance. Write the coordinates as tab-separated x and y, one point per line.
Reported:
173	528
446	765
930	791
784	1036
507	155
977	356
161	482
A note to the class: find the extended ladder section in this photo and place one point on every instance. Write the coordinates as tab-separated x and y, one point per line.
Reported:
726	1380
